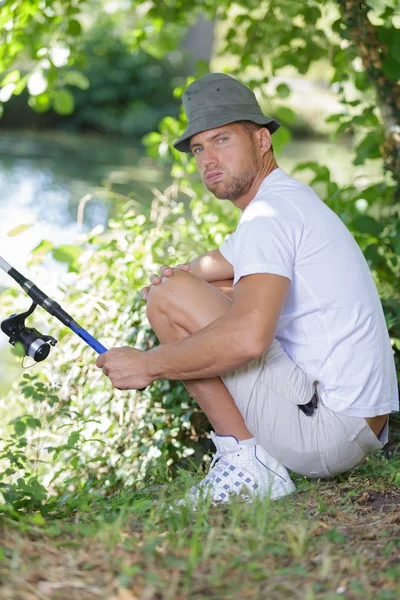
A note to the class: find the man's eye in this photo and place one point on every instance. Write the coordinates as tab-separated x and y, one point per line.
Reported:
196	150
222	139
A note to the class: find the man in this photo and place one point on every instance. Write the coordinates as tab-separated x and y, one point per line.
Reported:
292	365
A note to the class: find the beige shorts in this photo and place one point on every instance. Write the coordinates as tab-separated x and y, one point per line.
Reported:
267	392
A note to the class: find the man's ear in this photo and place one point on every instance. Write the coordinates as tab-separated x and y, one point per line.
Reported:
264	138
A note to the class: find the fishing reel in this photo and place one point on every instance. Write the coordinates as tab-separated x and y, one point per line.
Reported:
36	345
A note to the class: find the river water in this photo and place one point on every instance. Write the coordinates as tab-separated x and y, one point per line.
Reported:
44	176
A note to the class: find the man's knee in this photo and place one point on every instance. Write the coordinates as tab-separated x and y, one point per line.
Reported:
170	293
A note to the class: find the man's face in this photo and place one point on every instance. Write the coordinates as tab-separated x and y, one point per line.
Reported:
228	159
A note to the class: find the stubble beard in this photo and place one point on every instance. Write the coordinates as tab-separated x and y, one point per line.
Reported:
237	185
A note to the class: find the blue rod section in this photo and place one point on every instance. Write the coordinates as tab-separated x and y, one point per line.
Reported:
53	308
86	337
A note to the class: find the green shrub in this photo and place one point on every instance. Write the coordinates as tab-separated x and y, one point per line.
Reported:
129	92
110	87
79	435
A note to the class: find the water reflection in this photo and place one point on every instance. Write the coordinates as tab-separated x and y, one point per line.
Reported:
44	176
51	173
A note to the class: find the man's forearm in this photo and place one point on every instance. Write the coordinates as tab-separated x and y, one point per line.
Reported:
211	267
202	267
222	346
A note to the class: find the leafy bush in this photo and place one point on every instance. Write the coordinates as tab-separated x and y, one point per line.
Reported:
109	88
128	92
77	434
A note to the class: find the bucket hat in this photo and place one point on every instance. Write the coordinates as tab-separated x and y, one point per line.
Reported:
215	100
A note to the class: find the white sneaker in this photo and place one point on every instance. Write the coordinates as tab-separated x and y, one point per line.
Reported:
240	469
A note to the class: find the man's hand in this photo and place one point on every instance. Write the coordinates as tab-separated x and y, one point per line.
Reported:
125	367
165	271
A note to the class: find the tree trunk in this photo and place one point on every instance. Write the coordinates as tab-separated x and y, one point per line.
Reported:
372	53
198	43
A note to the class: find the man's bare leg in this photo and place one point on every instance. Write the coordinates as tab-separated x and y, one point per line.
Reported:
179	306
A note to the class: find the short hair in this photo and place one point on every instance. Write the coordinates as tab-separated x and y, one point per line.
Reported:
251	127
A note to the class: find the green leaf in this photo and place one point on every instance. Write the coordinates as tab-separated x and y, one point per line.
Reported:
28	391
21	85
19	427
361	81
63	102
19	350
152	138
17	230
77	79
36	489
73	439
74	27
11	77
41	249
37	519
367	119
391	67
369	147
389	36
33	422
335	118
40	103
280	138
311	14
322	173
372	255
67	254
285	115
283	90
366	224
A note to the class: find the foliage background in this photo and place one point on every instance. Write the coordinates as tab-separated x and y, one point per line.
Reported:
73	437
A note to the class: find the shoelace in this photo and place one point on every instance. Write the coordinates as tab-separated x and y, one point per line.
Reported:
221	453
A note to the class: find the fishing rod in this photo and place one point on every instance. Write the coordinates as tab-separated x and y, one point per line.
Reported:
35	343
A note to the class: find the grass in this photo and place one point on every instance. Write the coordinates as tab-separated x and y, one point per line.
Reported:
332	539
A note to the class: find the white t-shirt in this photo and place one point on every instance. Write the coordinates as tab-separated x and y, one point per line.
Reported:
332	324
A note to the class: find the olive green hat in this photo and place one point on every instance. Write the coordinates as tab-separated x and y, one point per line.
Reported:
215	100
